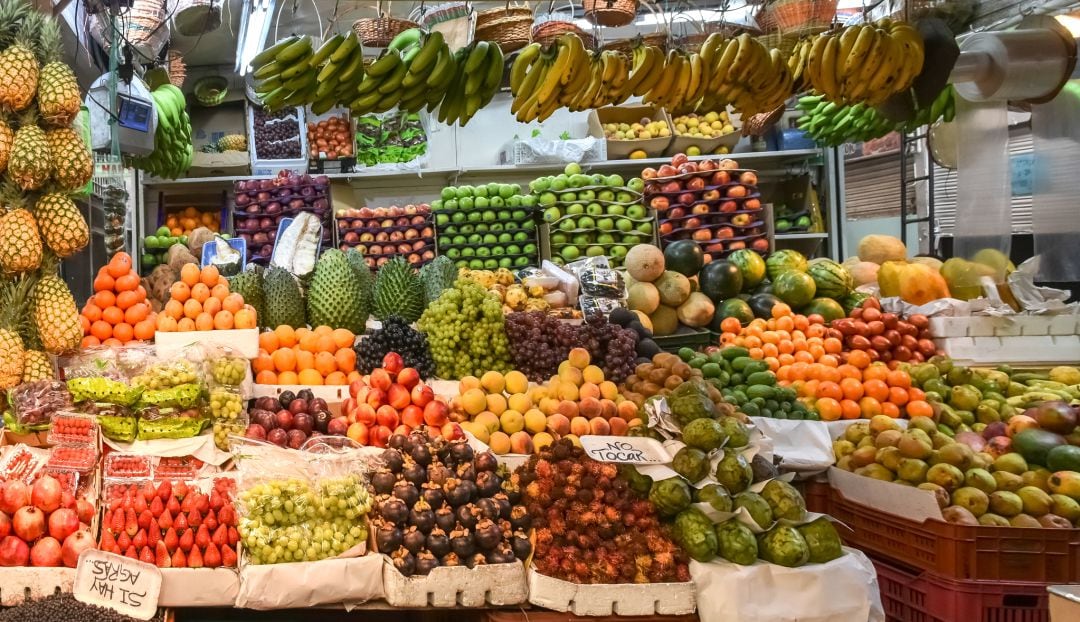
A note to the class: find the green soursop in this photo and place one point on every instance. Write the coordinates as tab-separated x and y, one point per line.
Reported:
332	296
284	302
438	275
365	278
398	291
249	285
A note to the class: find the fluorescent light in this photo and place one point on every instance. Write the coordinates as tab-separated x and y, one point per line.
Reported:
254	27
1071	23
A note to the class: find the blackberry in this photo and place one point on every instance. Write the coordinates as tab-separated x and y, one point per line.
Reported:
395	336
64	607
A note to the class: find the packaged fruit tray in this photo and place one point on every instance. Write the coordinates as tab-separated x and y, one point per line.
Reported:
73	428
177	467
21	464
81	458
128	466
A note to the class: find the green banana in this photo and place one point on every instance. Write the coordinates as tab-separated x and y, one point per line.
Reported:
270	53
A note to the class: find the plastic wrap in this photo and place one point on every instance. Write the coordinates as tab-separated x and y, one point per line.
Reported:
75	428
602	288
117	422
104	390
155	423
35	403
182	396
169	373
983	230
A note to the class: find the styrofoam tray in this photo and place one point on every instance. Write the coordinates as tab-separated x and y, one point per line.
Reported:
19	584
624	599
199	587
243	340
495	584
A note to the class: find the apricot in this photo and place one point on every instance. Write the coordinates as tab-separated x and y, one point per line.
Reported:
493	382
516	382
608	390
579	426
619	426
568	391
474	401
599	426
488	420
496	403
568	409
512	421
589	390
549	406
558	424
542	440
521	443
627	410
590	407
499	443
579	358
535	421
571	375
520	402
573	438
478	430
609	409
467	383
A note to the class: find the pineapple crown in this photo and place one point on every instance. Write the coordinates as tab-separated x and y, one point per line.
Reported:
49	47
15	302
12	197
13	17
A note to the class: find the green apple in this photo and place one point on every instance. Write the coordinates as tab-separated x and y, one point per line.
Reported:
450	230
490	216
528	200
559	183
614	181
450	204
528	249
624	225
482	228
466	203
515	188
570	253
630	238
606	195
586	222
474	216
505	238
624	197
575	209
498	251
636	212
644	228
568	197
547	199
476	238
513	201
483	251
481	202
490	238
493	189
436	205
586	195
468	252
521	262
513	249
559	237
506	191
582	239
480	192
497	227
596	179
552	214
594	251
448	193
453	253
506	262
568	225
491	264
636	184
616	210
519	214
441	220
538	185
521	236
464	191
467	229
605	238
605	224
458	217
594	209
618	252
496	202
476	264
572	168
460	239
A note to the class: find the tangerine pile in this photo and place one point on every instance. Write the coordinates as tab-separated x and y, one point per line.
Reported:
201	300
118	312
810	357
306	356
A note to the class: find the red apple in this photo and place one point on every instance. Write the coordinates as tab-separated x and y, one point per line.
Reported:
354	388
393	362
408	377
659	203
725	232
666	228
63	523
412	416
671	186
377	397
720	178
75	544
741	220
737	192
707	165
728	206
751	204
14	552
648	173
29	523
715	247
422	394
5	525
677	212
734	246
710	195
695	183
688	167
436	413
398	397
380	434
692	223
686	198
749	178
702	235
387	416
667	170
700	208
403	430
679	159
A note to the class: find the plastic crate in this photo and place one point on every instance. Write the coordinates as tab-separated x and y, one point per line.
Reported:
961	552
685	338
816	494
910	596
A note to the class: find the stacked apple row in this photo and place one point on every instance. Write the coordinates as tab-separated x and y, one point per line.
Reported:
383	233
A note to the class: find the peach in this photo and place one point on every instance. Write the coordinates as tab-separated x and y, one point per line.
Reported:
512	421
568	409
398	396
408	378
496	403
499	443
542	440
516	382
549	406
468	382
589	390
493	382
559	425
579	426
609	390
436	413
628	410
538	393
412	416
535	421
562	366
579	358
452	431
573	438
364	415
488	420
473	401
593	374
380	379
571	375
609	409
521	443
568	391
520	402
590	407
619	427
358	432
599	426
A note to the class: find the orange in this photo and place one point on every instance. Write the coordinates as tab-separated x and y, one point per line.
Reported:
828	409
786	323
180	291
284	360
123	332
223	320
140	291
309	342
266	377
105	300
119	265
220	292
84	324
829	361
101	329
304	359
286	337
103	282
891	410
343	338
262	362
780	310
323	330
770	350
801	322
898	396
773	363
204	321
852	388
144	330
174	309
849	409
915	393
353	376
898	378
799	369
166	324
876	389
815	318
833	345
288	377
325	343
730	325
233	303
192	308
268	341
90	341
346	359
849	371
786	359
112	343
186	325
222	280
859	358
810	388
783	374
804	356
189	274
126	299
337	378
815	330
757	353
919	408
830	390
869	407
212	305
127	283
878	371
200	292
137	313
209	275
91	311
113	315
310	377
325	363
245	318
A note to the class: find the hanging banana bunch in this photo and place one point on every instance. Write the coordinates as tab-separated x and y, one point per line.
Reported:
744	73
866	62
293	73
413	71
477	76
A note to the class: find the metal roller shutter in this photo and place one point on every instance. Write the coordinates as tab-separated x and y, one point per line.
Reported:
872	186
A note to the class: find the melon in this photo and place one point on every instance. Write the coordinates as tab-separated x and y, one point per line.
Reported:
831	279
864	272
643	297
794	288
665	321
881	248
644	262
697	311
674	288
785	261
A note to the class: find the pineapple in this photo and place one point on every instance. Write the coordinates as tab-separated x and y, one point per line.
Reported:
61	223
37	366
58	93
30	165
232	142
19	68
7	139
55	315
20	243
73	165
14	295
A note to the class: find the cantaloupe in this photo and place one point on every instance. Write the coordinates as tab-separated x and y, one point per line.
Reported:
665	321
697	311
643	297
863	272
881	248
644	262
674	288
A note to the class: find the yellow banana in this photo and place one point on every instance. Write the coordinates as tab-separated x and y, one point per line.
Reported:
859	49
829	64
554	76
697	79
722	70
651	70
744	59
813	63
525	58
530	83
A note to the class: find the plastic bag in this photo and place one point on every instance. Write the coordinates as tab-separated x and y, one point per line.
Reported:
101	389
35	403
117	422
226	258
167	374
183	396
156	422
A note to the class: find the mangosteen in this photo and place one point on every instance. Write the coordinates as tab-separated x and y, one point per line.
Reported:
477	560
520	544
413	540
445	519
425	563
466	472
406	492
438	474
462	542
488	508
461	452
470	487
451	559
393	460
487	534
504	505
512	492
414	473
487	483
502	554
396	441
454	493
394	510
485	461
387	537
519	518
286	397
467	515
442	450
404	561
438	542
305	394
421	453
422	516
432	493
382	481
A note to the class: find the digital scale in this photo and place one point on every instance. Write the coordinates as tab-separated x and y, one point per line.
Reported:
135	116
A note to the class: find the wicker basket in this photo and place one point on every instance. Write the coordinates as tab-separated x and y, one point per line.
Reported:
547	32
378	32
758	124
611	13
177	69
626	46
196	17
794	14
510	26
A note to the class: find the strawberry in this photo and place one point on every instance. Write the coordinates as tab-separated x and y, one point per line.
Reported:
216	501
146	555
140	505
180	490
148	492
212	557
202	537
210	521
228	557
171	540
165	521
181	523
195	558
221	536
227	515
157	507
188	504
131	552
128	499
179	560
146	519
234	536
173	505
187	541
202	503
124	541
139	541
116	503
164	490
107	540
194	519
161	556
106	519
131	524
153	536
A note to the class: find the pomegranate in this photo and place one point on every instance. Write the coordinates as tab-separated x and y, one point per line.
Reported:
29	523
46	494
46	553
75	544
15	495
63	523
5	525
14	552
85	510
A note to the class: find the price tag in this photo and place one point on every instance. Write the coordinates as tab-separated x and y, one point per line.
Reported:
628	449
125	585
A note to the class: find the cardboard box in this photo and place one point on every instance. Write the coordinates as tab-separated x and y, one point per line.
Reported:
229	163
199	587
19	584
307	584
1064	603
243	340
622	599
621	149
459	586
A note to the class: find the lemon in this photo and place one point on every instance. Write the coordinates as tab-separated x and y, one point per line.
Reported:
638	155
693	150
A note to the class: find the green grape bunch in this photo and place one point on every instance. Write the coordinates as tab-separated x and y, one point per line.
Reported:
167	375
466	332
228	370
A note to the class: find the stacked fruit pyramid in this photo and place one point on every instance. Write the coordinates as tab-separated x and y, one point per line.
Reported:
118	311
488	226
43	158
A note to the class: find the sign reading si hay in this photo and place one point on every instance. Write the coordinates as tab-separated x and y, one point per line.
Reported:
629	449
126	585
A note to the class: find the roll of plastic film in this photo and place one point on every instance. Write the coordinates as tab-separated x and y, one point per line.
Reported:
984	203
1055	200
1011	65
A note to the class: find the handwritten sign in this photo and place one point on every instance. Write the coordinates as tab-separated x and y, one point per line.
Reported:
126	585
628	449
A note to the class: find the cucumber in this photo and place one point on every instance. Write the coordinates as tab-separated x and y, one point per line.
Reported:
731	353
762	391
761	377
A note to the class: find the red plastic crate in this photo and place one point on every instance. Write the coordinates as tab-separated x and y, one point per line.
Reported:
910	596
816	494
961	552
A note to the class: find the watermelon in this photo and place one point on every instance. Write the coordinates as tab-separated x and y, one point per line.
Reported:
762	304
794	288
720	280
732	307
785	261
751	265
853	300
684	257
832	279
825	307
